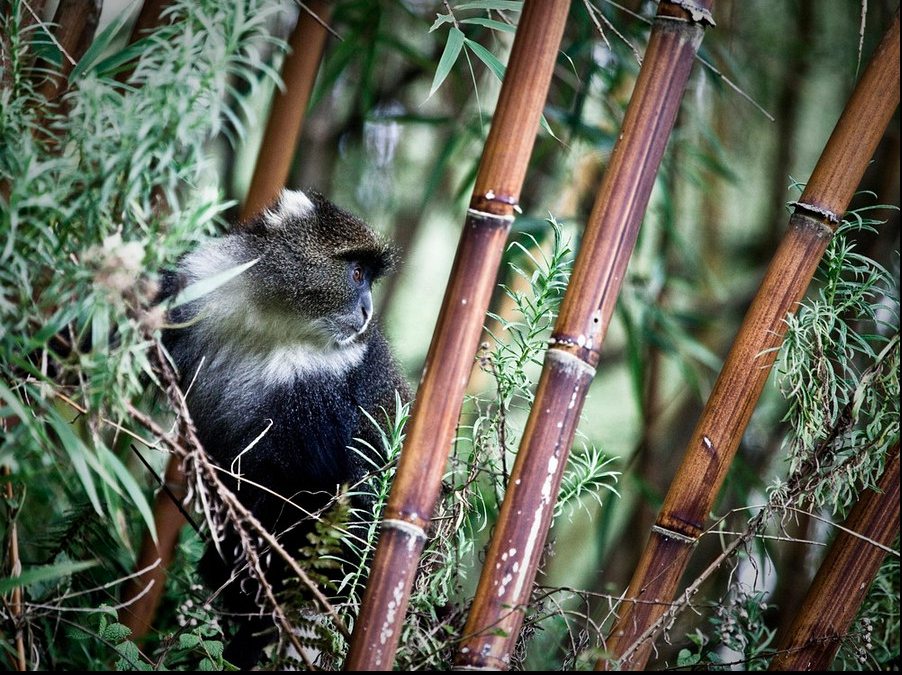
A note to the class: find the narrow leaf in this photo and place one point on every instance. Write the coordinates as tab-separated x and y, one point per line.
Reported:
487	58
490	23
200	288
100	44
44	573
449	58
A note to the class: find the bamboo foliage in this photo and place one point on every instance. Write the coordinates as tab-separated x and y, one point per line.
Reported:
717	434
288	107
849	567
496	614
454	343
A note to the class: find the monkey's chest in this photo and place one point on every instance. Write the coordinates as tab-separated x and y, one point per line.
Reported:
290	437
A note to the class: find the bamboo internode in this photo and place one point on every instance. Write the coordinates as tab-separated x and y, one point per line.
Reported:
455	340
849	568
514	553
717	435
289	107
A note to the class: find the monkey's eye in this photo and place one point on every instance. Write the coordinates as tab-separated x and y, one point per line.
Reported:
357	274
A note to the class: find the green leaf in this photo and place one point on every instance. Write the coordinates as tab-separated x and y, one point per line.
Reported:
45	573
440	20
188	641
100	43
490	23
78	454
512	5
487	58
200	288
134	491
214	648
449	58
116	632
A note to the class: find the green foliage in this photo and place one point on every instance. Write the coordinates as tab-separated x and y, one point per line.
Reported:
98	190
839	371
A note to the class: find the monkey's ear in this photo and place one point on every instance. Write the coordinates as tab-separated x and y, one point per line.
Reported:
290	206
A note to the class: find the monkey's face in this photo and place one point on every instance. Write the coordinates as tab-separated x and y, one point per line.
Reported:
316	268
343	321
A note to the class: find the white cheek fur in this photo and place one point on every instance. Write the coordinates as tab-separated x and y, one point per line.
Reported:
245	346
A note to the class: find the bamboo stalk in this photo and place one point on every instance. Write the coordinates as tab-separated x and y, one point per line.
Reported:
497	612
143	593
717	435
847	571
288	107
457	332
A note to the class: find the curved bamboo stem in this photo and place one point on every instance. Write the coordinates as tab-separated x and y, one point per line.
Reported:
454	343
513	556
729	408
848	569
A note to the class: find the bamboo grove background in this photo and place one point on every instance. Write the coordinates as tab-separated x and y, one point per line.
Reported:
131	130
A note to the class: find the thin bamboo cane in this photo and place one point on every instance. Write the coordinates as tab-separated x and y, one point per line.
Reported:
454	343
141	595
513	556
729	408
288	107
847	572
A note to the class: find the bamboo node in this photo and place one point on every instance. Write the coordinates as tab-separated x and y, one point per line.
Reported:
673	534
820	211
485	215
697	14
510	200
570	360
404	526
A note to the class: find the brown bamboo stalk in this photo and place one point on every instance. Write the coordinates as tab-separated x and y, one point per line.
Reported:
496	614
141	595
848	569
288	107
457	332
729	408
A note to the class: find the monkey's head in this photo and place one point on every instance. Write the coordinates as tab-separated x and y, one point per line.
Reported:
316	267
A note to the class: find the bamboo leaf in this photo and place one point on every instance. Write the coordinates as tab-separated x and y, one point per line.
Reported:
100	44
489	59
133	490
512	5
201	288
44	573
490	23
448	59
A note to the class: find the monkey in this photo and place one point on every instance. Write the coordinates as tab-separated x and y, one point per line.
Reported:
281	363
